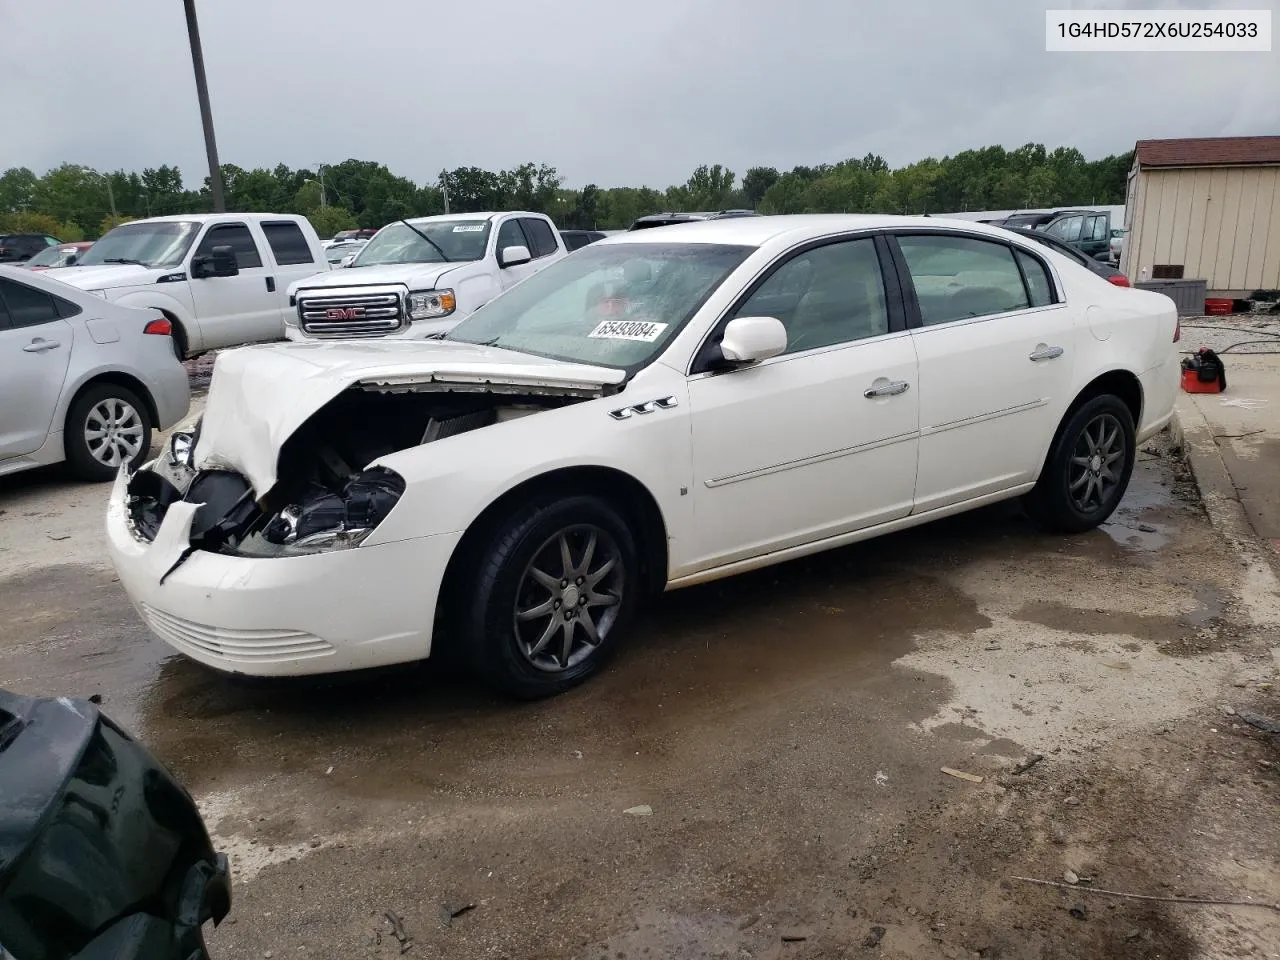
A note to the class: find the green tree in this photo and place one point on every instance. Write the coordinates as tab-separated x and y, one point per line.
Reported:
756	184
329	220
17	189
27	222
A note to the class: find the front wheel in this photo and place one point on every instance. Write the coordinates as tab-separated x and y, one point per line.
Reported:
1088	468
557	586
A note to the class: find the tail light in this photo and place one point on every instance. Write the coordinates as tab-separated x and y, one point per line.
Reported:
160	326
1119	279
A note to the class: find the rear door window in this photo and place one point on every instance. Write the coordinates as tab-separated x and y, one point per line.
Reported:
1038	284
288	244
961	278
540	235
27	307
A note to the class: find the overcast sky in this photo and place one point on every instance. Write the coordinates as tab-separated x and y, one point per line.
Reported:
616	92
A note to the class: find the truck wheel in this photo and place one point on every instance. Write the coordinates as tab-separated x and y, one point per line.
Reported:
558	585
1088	468
106	426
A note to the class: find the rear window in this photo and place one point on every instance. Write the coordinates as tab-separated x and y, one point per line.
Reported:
288	243
540	235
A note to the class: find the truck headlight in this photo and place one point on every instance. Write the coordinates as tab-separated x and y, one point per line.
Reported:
431	304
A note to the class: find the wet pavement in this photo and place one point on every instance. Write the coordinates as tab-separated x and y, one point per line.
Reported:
786	731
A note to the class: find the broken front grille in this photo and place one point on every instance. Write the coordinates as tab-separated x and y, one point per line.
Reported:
371	312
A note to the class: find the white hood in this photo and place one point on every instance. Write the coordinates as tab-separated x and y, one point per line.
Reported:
260	395
108	275
415	276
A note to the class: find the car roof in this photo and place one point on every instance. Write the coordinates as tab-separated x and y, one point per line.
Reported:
756	231
202	217
484	215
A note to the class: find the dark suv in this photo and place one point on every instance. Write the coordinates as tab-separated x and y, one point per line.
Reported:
20	247
667	219
1089	231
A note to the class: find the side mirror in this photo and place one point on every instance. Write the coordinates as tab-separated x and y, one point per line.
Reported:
752	339
224	262
71	261
514	256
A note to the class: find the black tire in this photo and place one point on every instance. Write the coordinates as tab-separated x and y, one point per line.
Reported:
499	647
1088	468
132	431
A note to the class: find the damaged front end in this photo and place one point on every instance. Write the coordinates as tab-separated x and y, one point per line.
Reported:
327	495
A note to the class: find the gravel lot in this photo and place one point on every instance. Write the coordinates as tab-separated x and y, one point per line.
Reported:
759	773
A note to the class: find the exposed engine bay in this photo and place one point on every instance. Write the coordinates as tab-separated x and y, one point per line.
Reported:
326	495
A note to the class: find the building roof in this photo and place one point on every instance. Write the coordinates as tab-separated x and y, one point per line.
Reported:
1208	151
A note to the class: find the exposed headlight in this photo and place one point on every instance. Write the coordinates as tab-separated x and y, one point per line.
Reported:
431	304
325	521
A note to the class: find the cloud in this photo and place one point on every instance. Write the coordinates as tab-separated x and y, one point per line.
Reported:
607	92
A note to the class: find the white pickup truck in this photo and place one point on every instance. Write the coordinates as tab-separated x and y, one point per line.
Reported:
221	279
417	278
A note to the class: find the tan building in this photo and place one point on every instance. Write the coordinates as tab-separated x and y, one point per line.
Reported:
1205	209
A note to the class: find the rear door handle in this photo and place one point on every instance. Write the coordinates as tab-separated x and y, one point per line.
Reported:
40	345
271	284
1045	352
882	387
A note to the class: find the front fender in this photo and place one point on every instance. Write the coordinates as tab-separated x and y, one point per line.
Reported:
450	482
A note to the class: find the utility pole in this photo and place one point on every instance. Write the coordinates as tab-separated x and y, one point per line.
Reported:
444	188
206	115
323	203
111	198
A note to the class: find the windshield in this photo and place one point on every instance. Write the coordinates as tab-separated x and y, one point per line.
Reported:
53	256
457	241
616	305
154	244
340	251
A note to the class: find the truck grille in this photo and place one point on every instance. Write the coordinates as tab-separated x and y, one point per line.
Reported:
371	312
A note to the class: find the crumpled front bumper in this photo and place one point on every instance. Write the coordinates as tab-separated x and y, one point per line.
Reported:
353	609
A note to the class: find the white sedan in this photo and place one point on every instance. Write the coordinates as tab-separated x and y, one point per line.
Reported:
660	409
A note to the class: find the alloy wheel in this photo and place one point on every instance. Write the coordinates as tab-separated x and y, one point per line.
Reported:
568	598
113	432
1097	463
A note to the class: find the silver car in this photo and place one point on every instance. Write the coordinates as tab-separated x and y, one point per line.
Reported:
81	379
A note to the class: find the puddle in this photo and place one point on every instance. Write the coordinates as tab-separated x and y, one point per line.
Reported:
1145	519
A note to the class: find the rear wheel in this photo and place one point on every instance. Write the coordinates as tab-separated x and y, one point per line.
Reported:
557	587
106	427
1088	469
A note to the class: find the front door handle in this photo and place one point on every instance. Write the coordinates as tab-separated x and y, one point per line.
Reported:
40	345
1045	352
882	387
271	284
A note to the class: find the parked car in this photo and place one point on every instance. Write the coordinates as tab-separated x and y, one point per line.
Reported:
669	219
1117	243
364	233
62	255
418	278
20	247
648	413
1104	270
576	239
1089	231
81	379
103	854
220	278
342	252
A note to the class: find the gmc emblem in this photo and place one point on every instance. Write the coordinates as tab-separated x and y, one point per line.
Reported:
344	313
